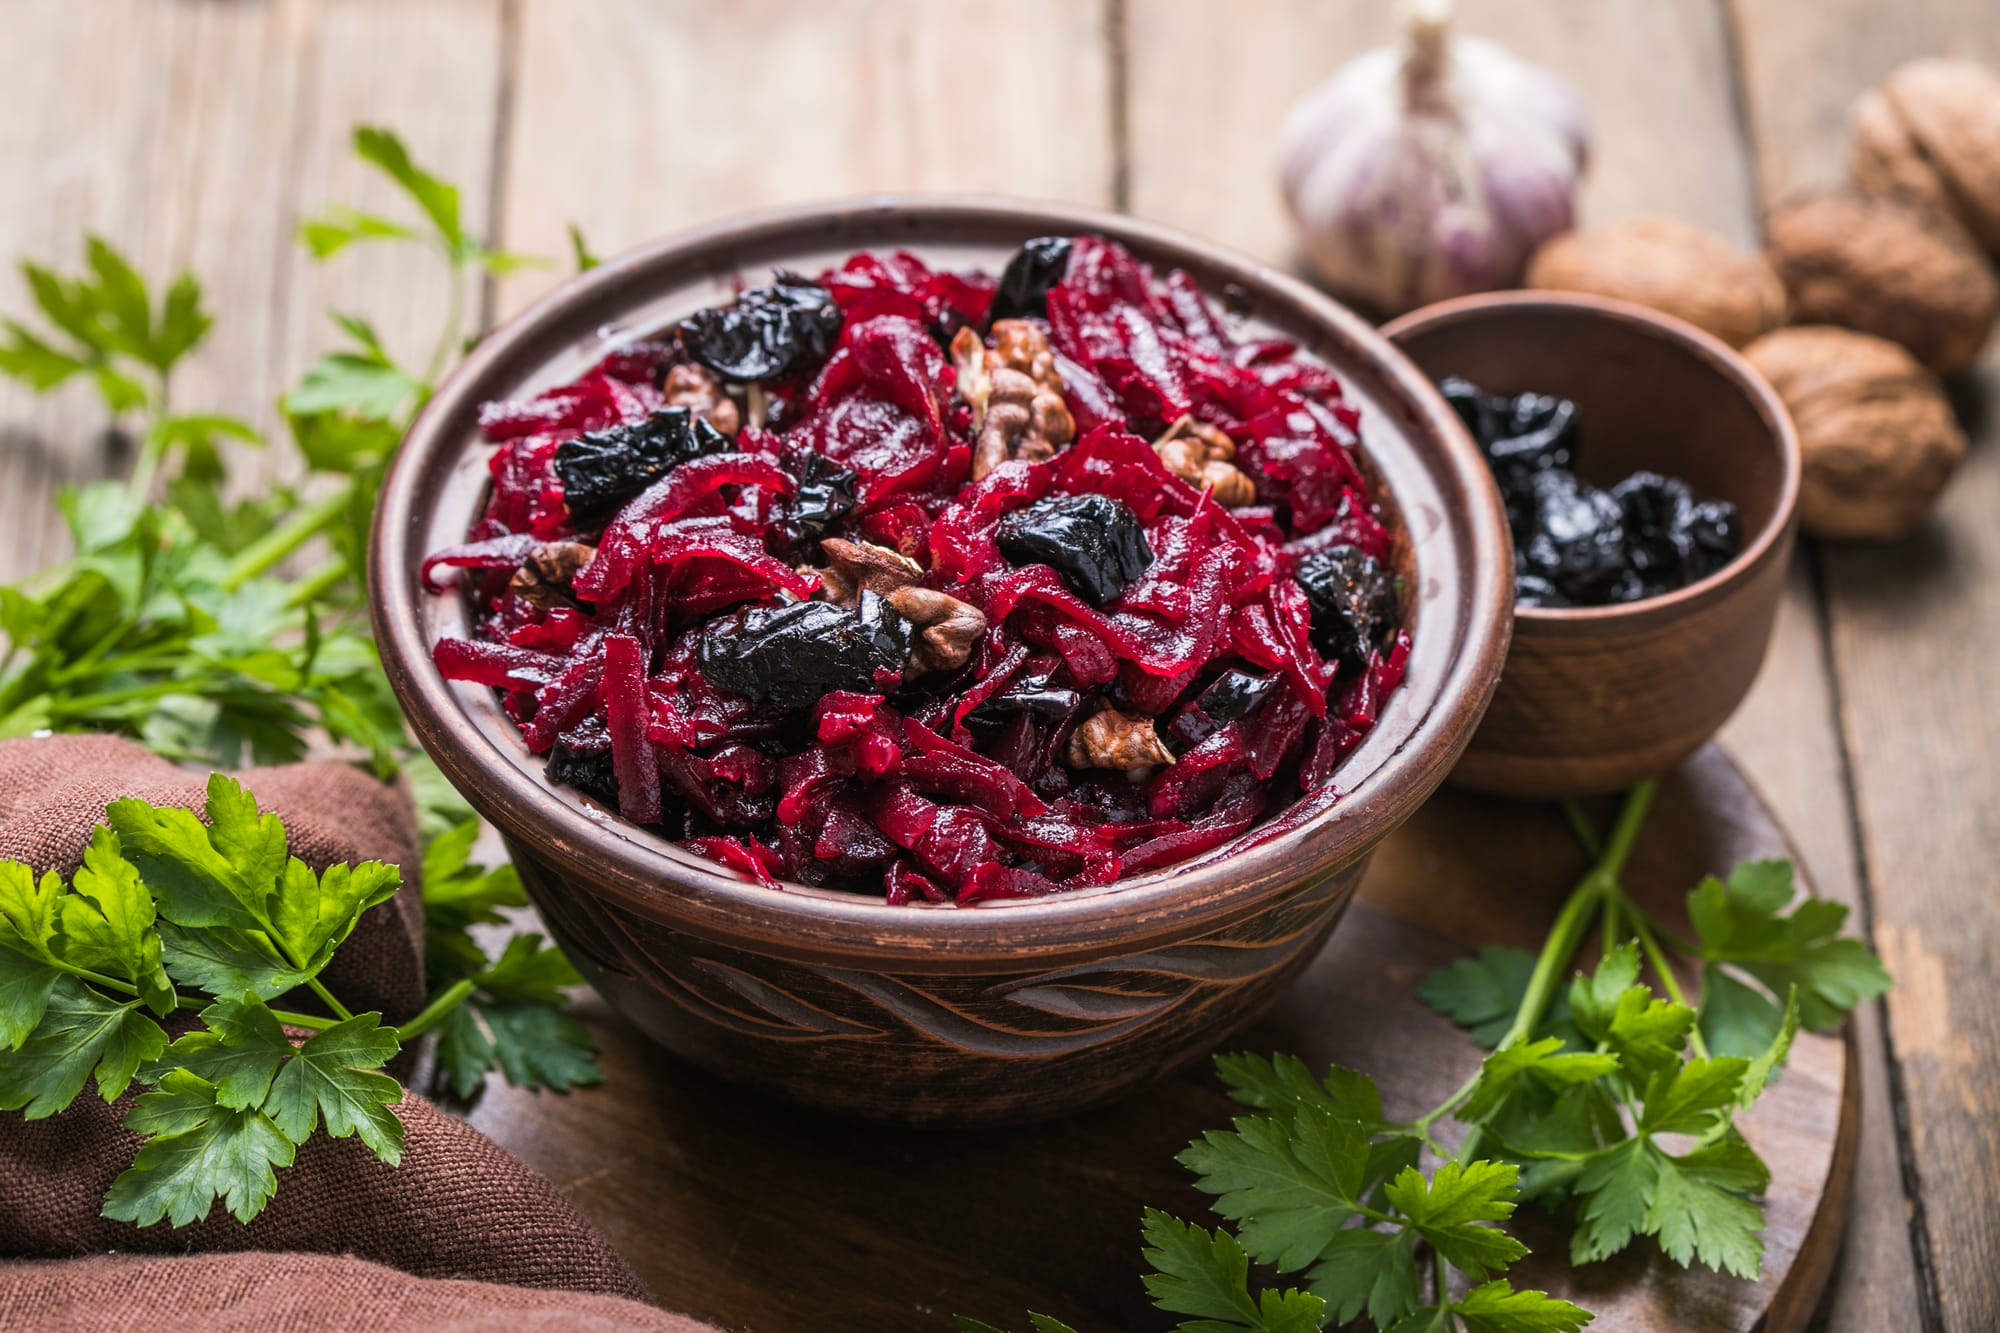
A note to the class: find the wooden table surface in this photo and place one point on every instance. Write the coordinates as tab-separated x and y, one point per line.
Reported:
195	132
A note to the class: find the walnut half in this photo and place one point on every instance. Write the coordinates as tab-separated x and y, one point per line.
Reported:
544	577
1016	395
1111	739
951	629
696	388
1205	459
856	566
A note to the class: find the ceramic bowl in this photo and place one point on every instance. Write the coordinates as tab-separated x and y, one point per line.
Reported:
999	1012
1596	698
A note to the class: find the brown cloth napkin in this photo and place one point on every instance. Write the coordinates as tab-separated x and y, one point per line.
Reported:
457	1217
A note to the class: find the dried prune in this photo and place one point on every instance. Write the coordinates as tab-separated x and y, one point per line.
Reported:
1353	600
590	772
767	333
1577	542
1024	284
1237	694
1717	530
1093	541
824	495
603	469
793	654
1529	430
1034	693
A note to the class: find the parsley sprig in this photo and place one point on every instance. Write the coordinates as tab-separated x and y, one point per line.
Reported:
1600	1099
169	913
174	620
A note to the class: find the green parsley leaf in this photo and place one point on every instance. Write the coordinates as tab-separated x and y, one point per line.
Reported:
1693	1097
1496	1307
81	1034
221	874
1502	1073
349	382
338	228
25	987
239	1052
1364	1268
1207	1275
312	915
332	1077
538	1046
28	909
1449	1211
199	1152
1283	1084
1739	924
107	922
437	199
29	359
1289	1185
1765	1063
222	961
1617	1187
1481	994
1702	1207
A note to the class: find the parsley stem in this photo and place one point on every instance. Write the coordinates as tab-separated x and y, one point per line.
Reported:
434	1012
288	537
326	998
316	587
1579	824
454	316
1650	945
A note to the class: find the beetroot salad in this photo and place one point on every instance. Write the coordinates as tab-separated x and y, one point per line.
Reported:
938	585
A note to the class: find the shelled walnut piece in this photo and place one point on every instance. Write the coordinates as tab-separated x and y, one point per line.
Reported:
1015	393
544	577
949	629
1876	433
1111	739
1931	131
1205	458
696	388
1669	265
1886	266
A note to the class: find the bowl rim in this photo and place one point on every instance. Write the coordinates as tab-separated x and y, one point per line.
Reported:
1725	361
714	902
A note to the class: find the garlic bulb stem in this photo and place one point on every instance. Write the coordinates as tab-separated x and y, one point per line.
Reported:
1427	24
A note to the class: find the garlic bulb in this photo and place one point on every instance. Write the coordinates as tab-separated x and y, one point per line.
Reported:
1433	168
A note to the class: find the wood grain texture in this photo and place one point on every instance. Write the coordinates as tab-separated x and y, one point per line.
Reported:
1915	629
640	117
710	1190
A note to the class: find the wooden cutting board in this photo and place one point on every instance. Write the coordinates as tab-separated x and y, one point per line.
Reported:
765	1218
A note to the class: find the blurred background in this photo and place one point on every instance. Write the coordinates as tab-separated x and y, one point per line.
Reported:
195	133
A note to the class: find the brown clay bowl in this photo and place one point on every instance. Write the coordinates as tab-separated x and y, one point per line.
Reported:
944	1015
1596	698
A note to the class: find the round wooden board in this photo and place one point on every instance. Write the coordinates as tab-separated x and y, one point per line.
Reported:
765	1218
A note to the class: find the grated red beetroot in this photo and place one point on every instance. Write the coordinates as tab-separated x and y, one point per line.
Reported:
745	647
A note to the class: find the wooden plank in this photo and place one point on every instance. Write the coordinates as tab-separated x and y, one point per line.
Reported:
86	113
196	140
1214	175
1914	632
637	118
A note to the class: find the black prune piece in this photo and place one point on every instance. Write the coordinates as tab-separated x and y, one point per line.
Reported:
1533	431
795	653
603	469
1093	541
768	333
1033	694
1236	694
1717	532
1023	292
825	493
1577	538
1353	600
1673	538
590	772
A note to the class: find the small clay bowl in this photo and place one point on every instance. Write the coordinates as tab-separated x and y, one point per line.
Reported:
1007	1011
1594	699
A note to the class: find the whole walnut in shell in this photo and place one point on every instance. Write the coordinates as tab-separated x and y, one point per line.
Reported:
1931	130
1885	266
1670	265
1878	437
